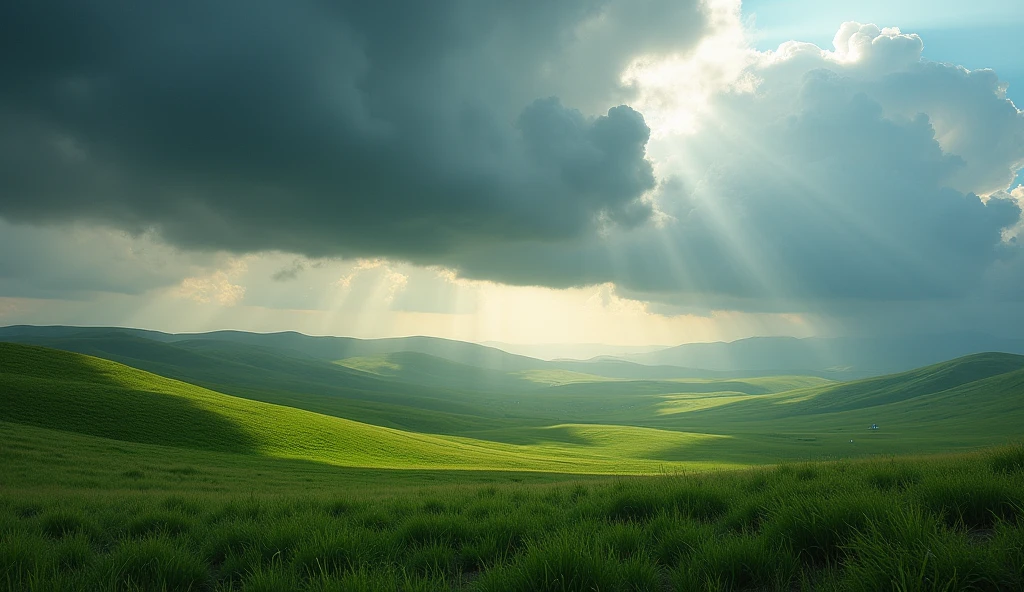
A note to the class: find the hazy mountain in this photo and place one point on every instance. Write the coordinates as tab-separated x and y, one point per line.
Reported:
337	348
571	351
321	348
844	355
840	358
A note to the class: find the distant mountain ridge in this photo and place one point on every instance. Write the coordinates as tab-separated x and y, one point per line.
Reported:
849	356
332	349
839	358
321	348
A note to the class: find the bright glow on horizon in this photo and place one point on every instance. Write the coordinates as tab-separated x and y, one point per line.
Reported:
377	298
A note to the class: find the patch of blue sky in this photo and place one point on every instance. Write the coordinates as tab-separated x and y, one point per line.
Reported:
976	34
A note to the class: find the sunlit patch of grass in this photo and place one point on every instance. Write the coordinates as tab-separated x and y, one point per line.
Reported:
372	364
556	377
685	403
102	398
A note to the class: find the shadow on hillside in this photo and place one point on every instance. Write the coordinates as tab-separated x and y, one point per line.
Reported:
65	391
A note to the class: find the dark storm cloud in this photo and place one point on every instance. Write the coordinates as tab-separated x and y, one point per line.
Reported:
488	137
79	262
406	129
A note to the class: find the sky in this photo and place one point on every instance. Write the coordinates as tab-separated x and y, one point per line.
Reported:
617	171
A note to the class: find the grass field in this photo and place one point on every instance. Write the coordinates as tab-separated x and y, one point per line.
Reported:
77	393
115	478
605	426
88	513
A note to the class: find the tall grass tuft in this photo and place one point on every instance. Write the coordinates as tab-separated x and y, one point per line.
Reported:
155	563
1009	459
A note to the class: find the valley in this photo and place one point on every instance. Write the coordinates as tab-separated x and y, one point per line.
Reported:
417	446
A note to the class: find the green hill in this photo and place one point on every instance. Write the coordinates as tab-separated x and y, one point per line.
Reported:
915	383
931	384
287	378
76	393
336	348
403	390
432	371
535	419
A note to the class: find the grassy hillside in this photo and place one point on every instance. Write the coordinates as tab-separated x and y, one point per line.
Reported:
118	479
404	390
80	513
270	376
994	376
959	405
37	458
72	392
426	370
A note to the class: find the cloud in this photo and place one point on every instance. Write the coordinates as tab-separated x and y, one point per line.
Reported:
403	129
511	145
1014	234
79	261
817	179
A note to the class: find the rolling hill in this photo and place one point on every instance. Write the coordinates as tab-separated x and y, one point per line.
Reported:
404	390
999	373
271	376
82	394
568	423
431	371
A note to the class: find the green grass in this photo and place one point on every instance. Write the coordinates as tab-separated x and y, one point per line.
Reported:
406	390
426	370
923	523
609	426
954	406
77	393
287	377
117	479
